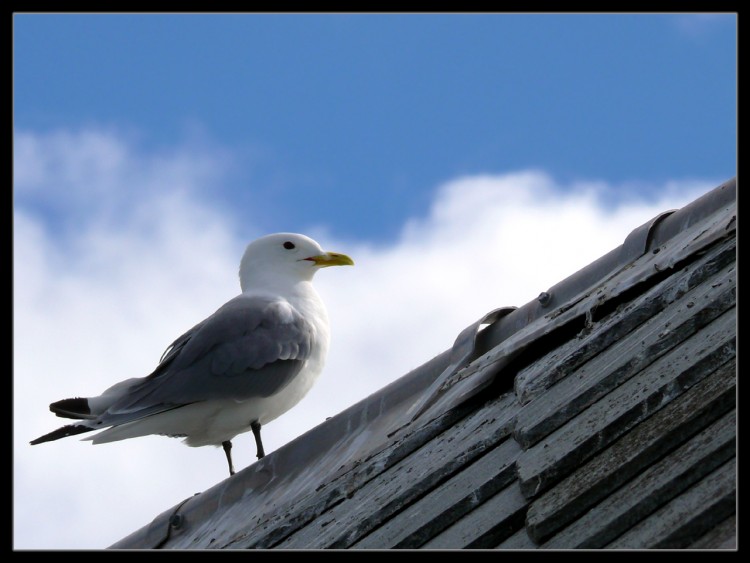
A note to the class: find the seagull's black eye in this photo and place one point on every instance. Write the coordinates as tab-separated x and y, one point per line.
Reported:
288	245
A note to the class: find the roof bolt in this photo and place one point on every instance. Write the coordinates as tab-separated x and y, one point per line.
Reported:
176	521
544	298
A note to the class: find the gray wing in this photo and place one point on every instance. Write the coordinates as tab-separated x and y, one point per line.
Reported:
251	347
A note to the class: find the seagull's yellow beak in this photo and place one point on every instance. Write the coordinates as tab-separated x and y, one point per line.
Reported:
331	259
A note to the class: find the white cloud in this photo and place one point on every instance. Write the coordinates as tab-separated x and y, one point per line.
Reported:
101	304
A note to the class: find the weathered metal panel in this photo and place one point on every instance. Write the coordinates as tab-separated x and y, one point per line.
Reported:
631	353
518	541
443	505
565	359
723	536
395	488
620	410
643	446
653	488
483	528
277	526
687	517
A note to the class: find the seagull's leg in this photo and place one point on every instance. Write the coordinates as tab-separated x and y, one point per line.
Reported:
255	425
227	445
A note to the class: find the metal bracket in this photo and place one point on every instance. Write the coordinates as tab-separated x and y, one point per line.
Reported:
638	241
463	351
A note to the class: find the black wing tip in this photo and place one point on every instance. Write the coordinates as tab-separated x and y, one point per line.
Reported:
71	408
64	432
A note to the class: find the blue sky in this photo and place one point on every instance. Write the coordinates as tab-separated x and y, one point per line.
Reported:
465	162
359	117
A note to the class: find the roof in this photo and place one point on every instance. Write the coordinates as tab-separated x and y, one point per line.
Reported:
601	415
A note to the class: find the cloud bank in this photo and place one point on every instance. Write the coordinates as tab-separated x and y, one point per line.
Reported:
117	252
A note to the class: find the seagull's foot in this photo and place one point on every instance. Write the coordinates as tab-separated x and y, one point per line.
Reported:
255	426
227	445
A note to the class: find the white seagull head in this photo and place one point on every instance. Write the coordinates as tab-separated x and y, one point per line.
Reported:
285	256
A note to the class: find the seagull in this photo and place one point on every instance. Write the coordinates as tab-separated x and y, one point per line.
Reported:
248	363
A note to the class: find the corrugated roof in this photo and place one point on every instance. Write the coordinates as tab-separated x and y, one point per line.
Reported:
601	415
